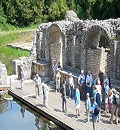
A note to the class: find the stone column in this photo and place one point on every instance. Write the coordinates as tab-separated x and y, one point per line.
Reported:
73	53
64	51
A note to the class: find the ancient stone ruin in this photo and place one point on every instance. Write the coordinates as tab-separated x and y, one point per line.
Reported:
89	45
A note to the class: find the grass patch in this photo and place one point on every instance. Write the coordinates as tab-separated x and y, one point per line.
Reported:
7	54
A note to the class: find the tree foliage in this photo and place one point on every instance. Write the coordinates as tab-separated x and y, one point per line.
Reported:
26	12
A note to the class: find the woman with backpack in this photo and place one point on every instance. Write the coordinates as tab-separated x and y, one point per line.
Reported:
95	112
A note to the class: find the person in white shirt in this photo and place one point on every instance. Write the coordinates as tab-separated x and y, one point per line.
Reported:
82	87
45	90
37	80
54	67
71	86
89	83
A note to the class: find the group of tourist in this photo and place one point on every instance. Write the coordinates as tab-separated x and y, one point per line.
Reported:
90	88
45	90
95	91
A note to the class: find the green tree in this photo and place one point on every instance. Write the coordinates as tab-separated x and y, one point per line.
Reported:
57	10
24	12
2	16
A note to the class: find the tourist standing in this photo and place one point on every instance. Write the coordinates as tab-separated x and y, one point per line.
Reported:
94	80
82	87
55	66
57	80
101	77
21	76
63	96
89	83
37	80
70	86
98	101
88	106
77	101
116	101
45	91
94	116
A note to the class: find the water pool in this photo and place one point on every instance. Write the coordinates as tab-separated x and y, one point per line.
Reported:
16	116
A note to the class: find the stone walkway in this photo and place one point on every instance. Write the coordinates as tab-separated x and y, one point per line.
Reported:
54	108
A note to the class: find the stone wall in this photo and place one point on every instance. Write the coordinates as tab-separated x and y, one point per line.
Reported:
26	63
41	68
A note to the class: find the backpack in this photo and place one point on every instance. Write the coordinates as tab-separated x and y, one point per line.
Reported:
97	110
117	99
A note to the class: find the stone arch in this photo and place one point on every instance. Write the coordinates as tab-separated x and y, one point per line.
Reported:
55	43
94	53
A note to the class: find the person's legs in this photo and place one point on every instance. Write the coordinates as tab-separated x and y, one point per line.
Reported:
112	114
106	103
36	90
87	113
116	113
72	93
111	107
65	104
69	91
98	118
94	120
62	103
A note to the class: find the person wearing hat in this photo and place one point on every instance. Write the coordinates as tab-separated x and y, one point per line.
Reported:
82	87
70	86
88	106
37	80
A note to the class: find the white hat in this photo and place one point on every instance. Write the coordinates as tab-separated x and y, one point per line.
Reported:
87	94
70	73
37	75
82	71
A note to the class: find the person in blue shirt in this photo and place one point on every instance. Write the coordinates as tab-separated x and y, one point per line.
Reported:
88	106
94	117
77	101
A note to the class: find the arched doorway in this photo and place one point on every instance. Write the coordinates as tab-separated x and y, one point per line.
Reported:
55	44
97	48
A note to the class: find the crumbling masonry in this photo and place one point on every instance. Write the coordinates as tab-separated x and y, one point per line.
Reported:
89	45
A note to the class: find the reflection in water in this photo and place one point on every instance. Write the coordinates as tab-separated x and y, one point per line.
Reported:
38	124
4	106
41	124
22	111
30	120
